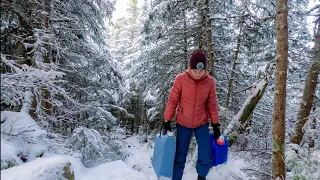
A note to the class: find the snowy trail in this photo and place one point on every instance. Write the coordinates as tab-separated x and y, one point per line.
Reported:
140	159
114	170
137	166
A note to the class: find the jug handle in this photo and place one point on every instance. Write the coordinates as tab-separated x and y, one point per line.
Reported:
160	131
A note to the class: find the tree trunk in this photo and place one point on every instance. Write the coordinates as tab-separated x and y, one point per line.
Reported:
278	128
235	61
186	62
245	130
309	91
313	126
210	43
235	57
239	121
20	52
46	104
203	28
136	114
33	108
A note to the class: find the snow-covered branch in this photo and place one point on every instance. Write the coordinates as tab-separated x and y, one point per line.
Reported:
257	89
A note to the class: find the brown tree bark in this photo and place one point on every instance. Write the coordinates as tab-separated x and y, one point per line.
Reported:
309	90
240	122
21	54
313	126
210	43
46	104
203	27
186	62
278	128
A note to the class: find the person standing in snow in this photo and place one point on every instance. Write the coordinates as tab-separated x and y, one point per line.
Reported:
194	93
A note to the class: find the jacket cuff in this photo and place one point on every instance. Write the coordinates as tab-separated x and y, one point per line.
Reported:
167	117
215	121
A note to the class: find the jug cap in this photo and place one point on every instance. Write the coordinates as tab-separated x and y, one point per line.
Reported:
220	140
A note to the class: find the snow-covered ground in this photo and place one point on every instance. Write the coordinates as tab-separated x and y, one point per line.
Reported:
22	137
140	159
137	166
52	168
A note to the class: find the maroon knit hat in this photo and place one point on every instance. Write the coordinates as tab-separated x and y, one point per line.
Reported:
198	60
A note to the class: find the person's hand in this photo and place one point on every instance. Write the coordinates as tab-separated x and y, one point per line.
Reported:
216	130
166	126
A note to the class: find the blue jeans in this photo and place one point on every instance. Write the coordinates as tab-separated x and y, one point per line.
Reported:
204	162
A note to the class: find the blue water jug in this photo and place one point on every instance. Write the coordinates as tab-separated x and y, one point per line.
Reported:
163	155
219	152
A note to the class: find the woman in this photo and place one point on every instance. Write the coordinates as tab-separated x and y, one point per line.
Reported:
194	93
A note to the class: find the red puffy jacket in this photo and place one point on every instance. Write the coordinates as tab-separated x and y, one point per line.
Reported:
196	99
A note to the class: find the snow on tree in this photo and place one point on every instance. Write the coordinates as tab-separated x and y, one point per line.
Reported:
93	148
239	123
309	90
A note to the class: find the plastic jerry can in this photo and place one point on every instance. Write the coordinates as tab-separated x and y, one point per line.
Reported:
163	155
219	152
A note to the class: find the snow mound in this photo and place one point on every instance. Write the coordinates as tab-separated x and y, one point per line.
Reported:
9	156
116	170
113	170
22	138
40	169
16	123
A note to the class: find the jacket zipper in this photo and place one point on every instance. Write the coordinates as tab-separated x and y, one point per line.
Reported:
195	103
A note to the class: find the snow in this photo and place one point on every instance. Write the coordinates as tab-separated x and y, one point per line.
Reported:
149	96
40	169
217	16
140	158
302	162
51	167
111	170
263	69
136	166
152	113
16	123
256	88
27	102
7	150
21	135
35	150
8	154
224	172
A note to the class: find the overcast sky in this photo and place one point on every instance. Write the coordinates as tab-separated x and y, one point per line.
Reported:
121	6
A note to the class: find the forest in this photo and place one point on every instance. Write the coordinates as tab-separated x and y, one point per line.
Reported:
78	86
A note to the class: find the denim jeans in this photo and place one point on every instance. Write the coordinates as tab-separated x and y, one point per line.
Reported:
204	162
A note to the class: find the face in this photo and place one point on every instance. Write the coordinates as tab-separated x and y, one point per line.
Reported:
196	73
